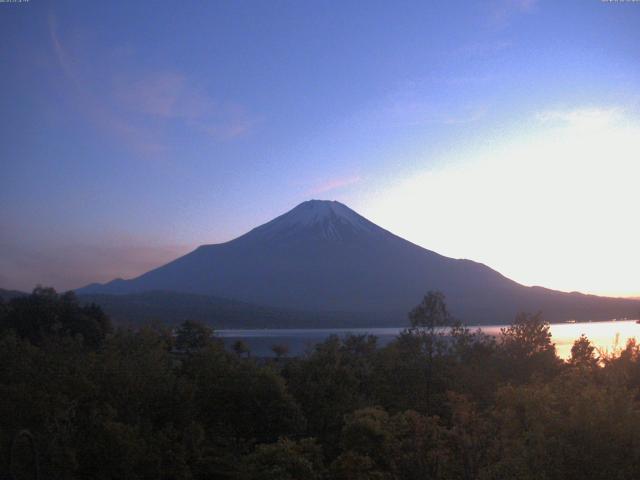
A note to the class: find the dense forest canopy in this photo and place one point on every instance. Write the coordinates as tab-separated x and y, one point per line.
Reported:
91	401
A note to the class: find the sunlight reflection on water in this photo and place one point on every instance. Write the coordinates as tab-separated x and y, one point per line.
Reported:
605	336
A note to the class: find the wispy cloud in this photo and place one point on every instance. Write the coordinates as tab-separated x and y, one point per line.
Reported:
334	184
171	96
229	122
502	12
415	103
140	106
483	49
591	117
468	115
138	137
163	95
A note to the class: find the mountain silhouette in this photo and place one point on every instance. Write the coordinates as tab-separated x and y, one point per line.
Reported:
322	256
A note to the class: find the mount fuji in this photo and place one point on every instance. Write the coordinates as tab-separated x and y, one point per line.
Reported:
323	257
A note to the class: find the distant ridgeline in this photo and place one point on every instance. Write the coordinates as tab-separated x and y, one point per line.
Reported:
7	295
173	308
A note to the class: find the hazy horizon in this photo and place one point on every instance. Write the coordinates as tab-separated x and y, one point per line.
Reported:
505	132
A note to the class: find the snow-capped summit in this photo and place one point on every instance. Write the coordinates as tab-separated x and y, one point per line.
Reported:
326	219
315	211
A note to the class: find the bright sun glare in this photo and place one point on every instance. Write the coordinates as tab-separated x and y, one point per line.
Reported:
540	207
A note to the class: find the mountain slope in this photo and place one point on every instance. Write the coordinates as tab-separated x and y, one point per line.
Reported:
323	256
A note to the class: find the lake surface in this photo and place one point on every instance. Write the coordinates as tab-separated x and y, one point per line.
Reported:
606	336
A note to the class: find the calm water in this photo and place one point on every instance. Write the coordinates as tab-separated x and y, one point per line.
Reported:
607	336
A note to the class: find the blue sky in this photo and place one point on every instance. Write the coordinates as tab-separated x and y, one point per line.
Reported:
134	131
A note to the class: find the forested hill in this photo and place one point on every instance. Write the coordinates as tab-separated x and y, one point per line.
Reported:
7	295
172	308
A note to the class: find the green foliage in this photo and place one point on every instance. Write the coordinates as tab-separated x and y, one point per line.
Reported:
424	343
474	365
406	445
192	336
155	404
284	460
280	350
529	335
241	348
45	313
566	428
239	402
331	382
431	313
583	354
407	377
527	349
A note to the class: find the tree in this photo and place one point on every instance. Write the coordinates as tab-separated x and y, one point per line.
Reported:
431	314
4	311
527	349
583	353
474	366
240	403
469	437
407	445
331	382
192	336
622	368
285	460
241	348
354	466
368	443
428	322
45	314
566	427
527	335
280	350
